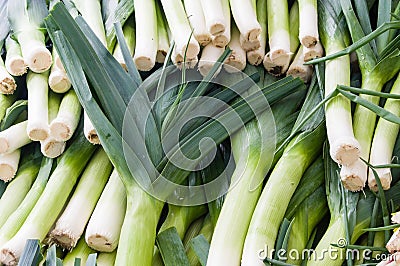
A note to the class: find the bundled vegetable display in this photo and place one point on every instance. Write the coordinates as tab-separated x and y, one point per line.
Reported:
199	132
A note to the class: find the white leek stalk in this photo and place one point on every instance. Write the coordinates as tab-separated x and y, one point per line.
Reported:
26	24
209	56
18	217
245	18
9	165
146	34
91	12
308	31
58	80
196	18
224	38
14	137
313	52
214	16
256	56
344	148
278	32
89	130
64	125
50	147
51	202
72	222
38	90
104	227
15	63
163	37
7	82
81	251
129	35
279	67
180	28
298	69
236	61
106	258
355	175
383	142
17	189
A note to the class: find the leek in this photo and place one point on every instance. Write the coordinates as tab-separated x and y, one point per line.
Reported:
308	30
7	82
91	12
26	22
9	165
17	189
344	148
249	172
313	52
130	38
181	217
214	16
146	34
245	18
37	128
14	137
81	252
275	197
209	56
207	231
178	23
256	57
18	217
374	76
58	80
278	32
309	214
72	222
279	67
196	18
5	102
106	259
50	147
163	38
15	63
236	61
298	69
383	143
52	200
65	123
224	37
104	226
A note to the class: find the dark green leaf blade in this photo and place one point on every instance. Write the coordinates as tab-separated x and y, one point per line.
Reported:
171	248
200	246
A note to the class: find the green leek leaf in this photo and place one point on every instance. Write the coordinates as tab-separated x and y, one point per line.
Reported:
171	248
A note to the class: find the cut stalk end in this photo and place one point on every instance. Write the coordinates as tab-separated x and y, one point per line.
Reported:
16	66
100	242
220	41
353	176
8	257
217	28
52	148
64	238
393	244
345	151
385	176
39	59
37	133
144	63
7	85
59	82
